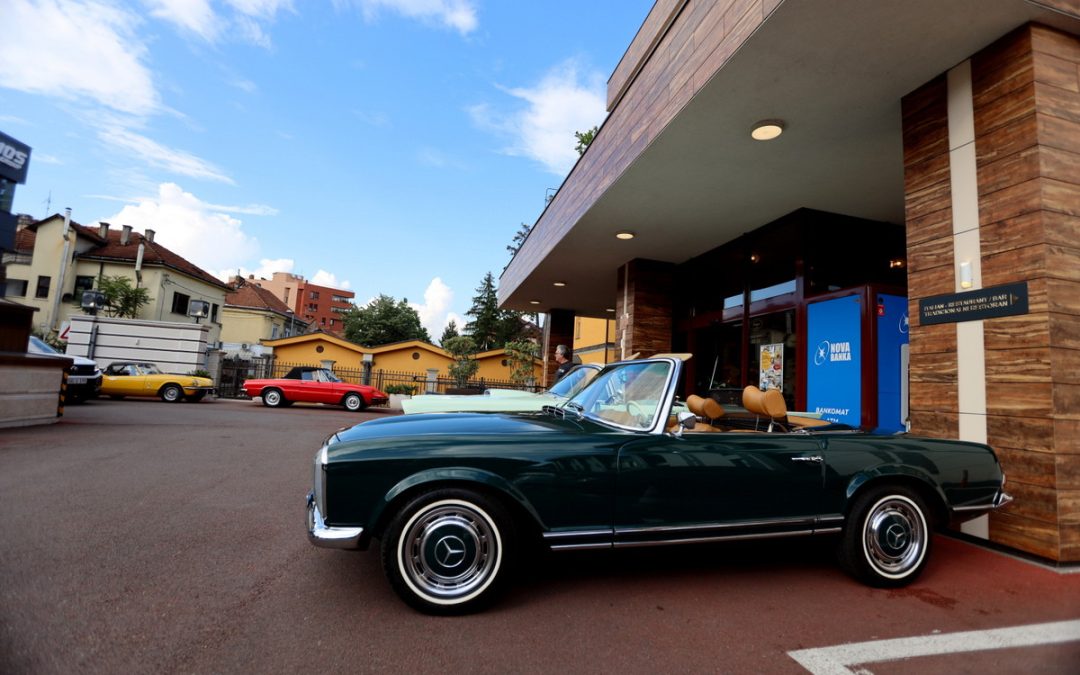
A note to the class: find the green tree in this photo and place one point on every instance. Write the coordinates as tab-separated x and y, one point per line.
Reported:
464	365
450	331
121	298
519	238
584	138
522	355
484	327
382	321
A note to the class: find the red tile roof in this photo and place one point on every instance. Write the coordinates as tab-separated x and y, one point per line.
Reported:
154	254
250	296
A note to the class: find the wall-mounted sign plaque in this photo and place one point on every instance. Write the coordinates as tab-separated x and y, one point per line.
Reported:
985	303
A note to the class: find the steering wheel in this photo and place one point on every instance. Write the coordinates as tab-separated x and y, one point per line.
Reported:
637	413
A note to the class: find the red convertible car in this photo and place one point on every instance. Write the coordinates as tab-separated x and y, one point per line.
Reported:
309	384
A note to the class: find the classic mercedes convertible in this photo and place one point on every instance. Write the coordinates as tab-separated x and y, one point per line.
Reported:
454	498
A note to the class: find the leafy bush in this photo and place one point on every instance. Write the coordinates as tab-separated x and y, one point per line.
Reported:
406	389
200	373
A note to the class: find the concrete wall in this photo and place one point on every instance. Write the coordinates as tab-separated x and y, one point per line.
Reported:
31	391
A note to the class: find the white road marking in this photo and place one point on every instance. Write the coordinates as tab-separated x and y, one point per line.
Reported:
836	660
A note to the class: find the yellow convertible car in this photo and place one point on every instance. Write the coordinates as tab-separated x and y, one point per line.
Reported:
129	378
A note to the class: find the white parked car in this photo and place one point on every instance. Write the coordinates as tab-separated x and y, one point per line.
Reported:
84	377
505	400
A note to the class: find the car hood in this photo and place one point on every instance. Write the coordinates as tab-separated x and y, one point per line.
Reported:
457	425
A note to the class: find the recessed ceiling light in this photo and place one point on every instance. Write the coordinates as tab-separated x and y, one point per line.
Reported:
610	309
624	235
766	130
534	302
559	283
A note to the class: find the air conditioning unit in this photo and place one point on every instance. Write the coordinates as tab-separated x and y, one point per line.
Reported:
245	346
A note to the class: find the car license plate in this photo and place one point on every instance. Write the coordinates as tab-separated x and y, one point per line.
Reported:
76	379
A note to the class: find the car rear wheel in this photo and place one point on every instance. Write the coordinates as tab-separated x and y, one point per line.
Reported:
273	398
886	540
447	551
171	393
353	402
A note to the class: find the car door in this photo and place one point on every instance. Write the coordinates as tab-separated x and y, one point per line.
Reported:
713	485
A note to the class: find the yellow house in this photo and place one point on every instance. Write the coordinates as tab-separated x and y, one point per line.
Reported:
56	259
253	314
594	340
412	357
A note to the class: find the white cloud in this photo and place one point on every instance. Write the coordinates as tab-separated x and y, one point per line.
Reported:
265	270
76	50
190	227
155	154
436	158
196	16
557	106
47	159
264	9
434	312
324	278
459	15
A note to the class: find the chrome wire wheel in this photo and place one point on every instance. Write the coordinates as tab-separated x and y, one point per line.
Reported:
171	393
895	536
449	552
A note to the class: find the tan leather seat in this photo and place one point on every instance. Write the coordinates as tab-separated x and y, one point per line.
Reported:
768	404
704	409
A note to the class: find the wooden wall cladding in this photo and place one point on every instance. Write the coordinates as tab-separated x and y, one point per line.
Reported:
648	295
1026	90
702	37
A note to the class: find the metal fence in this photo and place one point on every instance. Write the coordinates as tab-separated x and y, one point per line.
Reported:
235	370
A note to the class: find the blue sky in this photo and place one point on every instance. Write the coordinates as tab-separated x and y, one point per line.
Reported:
384	146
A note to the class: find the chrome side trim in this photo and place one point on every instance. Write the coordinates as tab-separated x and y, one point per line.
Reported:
741	525
1001	499
321	535
576	533
579	547
829	530
702	540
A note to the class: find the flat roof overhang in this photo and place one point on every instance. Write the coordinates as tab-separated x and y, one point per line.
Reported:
835	71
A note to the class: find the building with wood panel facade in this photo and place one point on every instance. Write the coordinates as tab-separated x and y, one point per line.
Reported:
929	155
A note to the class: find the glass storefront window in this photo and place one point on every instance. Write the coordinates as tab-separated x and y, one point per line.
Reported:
773	353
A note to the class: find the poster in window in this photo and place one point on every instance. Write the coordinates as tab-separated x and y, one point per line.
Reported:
772	367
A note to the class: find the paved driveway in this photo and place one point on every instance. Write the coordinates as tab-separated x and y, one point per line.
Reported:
139	536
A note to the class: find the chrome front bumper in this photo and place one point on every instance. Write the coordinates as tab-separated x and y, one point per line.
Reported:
322	535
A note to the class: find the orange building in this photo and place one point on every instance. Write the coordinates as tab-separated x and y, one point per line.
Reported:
320	306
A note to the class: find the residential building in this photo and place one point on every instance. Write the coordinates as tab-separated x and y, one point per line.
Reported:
594	340
321	306
56	259
812	196
252	314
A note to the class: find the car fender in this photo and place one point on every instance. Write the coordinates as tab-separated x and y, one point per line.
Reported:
887	471
460	476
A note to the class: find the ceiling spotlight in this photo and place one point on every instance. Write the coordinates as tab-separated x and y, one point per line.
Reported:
534	302
560	284
624	235
610	309
766	130
896	263
754	257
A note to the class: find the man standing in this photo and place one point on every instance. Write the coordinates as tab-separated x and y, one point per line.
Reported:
562	357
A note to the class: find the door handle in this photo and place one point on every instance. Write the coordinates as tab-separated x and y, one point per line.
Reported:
816	459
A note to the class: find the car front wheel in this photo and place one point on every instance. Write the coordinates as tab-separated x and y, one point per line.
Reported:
171	393
886	540
447	551
272	398
353	402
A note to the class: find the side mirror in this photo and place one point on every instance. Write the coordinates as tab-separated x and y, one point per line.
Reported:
687	420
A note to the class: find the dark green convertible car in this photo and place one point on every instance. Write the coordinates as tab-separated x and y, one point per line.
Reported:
453	498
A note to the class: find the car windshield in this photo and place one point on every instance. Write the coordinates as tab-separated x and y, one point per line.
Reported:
626	395
39	346
574	382
148	369
321	375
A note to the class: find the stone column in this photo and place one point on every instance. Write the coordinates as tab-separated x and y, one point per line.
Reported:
992	180
558	330
643	308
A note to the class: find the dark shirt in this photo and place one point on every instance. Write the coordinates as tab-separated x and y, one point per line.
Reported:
563	369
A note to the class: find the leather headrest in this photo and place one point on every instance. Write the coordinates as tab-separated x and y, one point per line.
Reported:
712	409
696	405
765	403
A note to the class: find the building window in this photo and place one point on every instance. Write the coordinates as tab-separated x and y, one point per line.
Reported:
320	349
82	284
323	321
314	295
340	298
180	303
287	289
331	322
213	312
43	287
16	288
274	332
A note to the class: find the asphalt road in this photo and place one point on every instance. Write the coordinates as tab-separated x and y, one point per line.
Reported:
139	536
